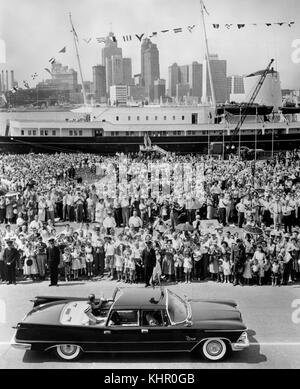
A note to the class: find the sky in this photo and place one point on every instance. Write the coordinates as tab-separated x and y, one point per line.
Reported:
35	30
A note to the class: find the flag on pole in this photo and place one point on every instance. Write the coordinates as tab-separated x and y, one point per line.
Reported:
52	60
63	50
4	98
101	40
48	70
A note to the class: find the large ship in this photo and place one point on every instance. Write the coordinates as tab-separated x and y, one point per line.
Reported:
171	128
260	123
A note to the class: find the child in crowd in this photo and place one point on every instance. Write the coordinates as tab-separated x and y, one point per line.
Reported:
76	264
187	265
89	258
178	264
67	260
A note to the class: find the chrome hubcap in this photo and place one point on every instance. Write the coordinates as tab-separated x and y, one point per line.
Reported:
214	348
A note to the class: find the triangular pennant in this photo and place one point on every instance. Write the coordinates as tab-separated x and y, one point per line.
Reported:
101	40
87	40
228	25
176	30
52	60
139	36
190	28
280	24
241	26
48	70
291	23
216	25
268	24
63	50
153	34
165	30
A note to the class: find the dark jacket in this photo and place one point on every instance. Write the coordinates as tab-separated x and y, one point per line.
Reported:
10	256
149	257
53	256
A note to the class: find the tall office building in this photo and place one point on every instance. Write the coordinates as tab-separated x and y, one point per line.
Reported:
184	74
235	85
111	49
219	79
195	79
127	71
99	83
174	79
63	77
149	63
116	70
118	94
159	90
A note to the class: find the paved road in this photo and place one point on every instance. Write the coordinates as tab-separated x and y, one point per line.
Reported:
267	311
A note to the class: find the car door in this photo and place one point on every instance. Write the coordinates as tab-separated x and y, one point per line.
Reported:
122	334
163	336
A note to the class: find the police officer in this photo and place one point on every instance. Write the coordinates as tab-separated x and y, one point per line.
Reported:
10	257
53	259
238	257
149	261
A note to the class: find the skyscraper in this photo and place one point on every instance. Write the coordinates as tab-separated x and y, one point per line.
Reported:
99	83
219	79
159	90
235	85
184	74
174	79
195	79
116	70
127	71
111	49
149	63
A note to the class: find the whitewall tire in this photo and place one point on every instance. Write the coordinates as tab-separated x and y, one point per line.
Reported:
214	349
68	352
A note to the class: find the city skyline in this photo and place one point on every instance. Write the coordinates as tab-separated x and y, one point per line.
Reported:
242	50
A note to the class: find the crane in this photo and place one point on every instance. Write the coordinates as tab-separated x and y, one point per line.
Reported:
251	101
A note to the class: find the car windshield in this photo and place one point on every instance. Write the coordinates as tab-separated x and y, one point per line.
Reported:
177	308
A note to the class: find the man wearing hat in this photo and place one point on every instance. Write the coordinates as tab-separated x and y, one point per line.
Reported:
10	257
149	260
53	259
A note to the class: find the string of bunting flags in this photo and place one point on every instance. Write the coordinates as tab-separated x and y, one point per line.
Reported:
154	34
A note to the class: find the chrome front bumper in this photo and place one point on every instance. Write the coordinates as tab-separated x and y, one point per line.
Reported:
22	346
241	343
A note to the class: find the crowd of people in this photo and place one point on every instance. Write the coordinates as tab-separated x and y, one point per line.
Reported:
56	223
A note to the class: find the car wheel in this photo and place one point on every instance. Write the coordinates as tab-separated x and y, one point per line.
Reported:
68	352
214	349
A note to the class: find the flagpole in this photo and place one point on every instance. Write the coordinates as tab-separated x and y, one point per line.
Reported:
207	55
78	59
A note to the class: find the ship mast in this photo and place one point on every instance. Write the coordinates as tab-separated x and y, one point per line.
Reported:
207	56
75	37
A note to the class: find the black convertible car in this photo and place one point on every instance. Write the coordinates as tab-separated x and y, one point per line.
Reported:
133	320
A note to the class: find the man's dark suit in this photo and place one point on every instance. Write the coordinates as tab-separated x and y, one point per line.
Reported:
10	257
53	259
149	261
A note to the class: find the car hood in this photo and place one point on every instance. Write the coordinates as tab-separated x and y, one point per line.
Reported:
211	311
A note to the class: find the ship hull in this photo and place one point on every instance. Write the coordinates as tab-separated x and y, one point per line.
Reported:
109	144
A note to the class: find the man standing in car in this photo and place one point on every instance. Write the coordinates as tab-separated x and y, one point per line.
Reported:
149	261
53	259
